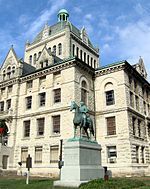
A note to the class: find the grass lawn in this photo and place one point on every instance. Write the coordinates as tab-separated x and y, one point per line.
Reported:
45	183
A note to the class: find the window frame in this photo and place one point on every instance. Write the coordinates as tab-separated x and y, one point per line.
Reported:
110	98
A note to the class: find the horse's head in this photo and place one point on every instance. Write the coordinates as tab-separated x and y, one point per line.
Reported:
73	105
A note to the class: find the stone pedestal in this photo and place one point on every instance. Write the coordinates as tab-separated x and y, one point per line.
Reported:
82	163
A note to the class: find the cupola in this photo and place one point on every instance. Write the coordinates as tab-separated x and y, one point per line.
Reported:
63	15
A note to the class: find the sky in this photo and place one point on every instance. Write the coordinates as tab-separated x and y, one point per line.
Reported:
121	29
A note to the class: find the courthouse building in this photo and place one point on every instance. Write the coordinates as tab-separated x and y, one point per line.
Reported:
60	65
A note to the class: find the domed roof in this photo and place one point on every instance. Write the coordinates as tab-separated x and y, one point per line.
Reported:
63	11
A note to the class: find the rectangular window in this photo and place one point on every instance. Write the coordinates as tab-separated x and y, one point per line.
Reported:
111	126
54	151
139	128
137	102
38	154
10	89
142	154
110	98
42	97
131	100
42	81
56	124
24	154
133	124
27	128
40	125
57	95
28	102
8	104
2	91
148	129
112	154
2	106
137	154
144	104
29	84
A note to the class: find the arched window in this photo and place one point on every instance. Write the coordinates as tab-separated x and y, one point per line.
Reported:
84	92
39	53
4	74
109	94
8	72
85	57
13	69
77	52
54	49
34	58
30	59
49	49
59	49
92	62
73	50
88	59
81	54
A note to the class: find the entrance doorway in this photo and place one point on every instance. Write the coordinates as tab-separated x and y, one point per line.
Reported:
5	162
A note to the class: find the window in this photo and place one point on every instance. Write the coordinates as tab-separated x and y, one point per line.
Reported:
77	52
88	59
144	104
40	125
139	128
81	54
54	151
135	87
142	154
110	100
59	49
34	58
27	128
111	126
2	91
112	154
2	106
39	53
29	84
28	102
49	49
85	57
148	129
8	104
133	124
38	154
54	49
137	102
10	89
42	81
91	61
57	95
30	59
56	124
73	50
131	100
42	99
41	65
84	92
24	154
94	63
137	154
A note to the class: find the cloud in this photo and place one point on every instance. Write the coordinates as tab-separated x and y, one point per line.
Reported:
77	9
45	15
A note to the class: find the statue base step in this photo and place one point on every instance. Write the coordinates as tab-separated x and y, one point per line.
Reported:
82	163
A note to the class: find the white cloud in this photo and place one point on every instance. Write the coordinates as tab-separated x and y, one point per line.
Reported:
45	15
77	9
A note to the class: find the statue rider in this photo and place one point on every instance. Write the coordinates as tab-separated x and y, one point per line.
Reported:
83	109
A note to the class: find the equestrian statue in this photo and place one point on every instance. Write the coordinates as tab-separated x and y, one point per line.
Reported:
82	119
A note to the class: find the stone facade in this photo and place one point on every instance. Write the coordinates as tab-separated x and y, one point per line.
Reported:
59	66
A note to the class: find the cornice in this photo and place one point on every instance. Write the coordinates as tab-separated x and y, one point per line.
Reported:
110	69
9	82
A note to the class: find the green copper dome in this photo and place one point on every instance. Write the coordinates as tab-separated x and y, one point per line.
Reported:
63	15
63	11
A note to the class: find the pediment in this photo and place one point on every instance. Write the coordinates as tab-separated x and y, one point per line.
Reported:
10	60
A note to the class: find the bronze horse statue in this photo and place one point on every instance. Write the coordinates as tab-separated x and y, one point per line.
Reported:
79	120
